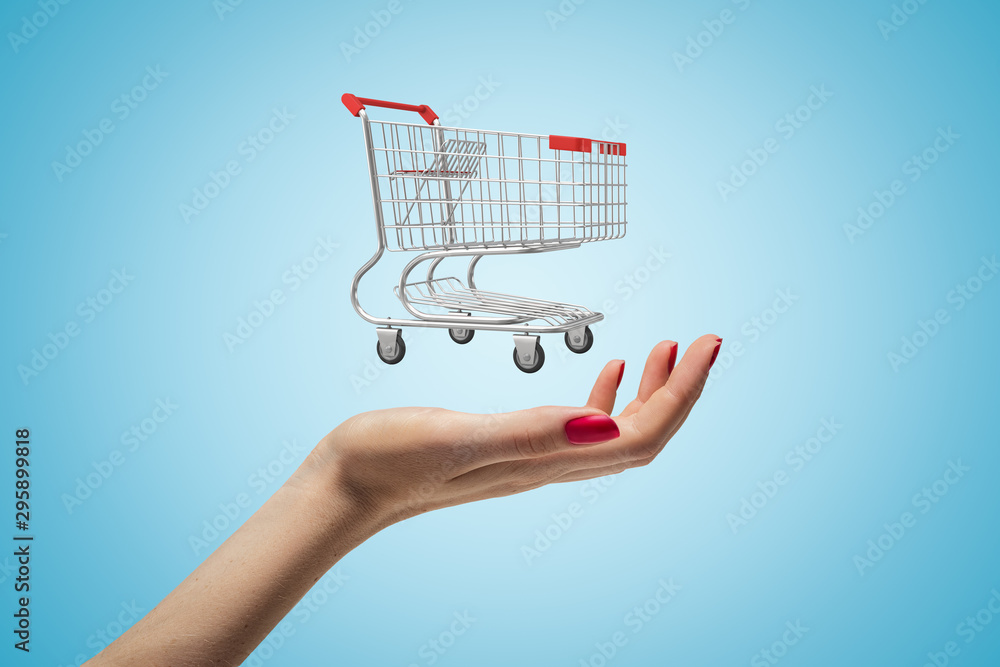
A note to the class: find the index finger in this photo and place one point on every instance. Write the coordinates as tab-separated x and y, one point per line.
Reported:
668	407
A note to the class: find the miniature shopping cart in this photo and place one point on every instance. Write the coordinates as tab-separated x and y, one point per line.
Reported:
449	191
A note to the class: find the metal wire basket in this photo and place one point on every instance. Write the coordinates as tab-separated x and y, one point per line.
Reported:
449	191
455	187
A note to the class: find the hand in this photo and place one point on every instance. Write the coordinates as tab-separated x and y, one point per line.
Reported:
392	464
380	467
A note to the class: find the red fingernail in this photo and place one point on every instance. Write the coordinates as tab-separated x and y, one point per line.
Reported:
621	373
715	353
591	430
672	359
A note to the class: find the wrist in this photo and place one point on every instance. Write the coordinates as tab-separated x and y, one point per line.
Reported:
343	516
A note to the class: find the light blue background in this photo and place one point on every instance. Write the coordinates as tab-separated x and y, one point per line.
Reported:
609	64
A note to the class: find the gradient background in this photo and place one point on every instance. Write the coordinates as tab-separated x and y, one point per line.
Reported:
607	65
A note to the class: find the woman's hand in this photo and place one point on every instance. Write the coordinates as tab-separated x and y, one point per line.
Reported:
392	464
380	467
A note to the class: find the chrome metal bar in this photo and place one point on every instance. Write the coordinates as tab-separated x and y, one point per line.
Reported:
468	192
470	274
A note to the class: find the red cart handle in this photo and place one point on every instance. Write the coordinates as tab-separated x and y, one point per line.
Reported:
356	104
560	143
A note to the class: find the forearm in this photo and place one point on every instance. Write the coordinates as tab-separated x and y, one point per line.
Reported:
229	604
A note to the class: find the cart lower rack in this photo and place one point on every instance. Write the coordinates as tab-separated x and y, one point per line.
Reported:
456	192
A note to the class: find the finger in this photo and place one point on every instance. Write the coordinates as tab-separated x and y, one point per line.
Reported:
535	433
659	364
602	396
711	362
668	407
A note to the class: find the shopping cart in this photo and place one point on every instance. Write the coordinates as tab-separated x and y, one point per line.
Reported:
450	191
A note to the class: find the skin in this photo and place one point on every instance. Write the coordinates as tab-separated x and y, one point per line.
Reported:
381	467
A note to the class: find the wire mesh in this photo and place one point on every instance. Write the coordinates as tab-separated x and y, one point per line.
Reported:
446	187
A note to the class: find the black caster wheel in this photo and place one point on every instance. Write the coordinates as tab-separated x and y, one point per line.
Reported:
533	367
397	351
461	336
580	345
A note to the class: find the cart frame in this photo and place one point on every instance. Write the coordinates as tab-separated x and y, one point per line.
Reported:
537	316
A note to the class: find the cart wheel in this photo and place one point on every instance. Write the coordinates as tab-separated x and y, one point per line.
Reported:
580	345
539	360
398	351
461	336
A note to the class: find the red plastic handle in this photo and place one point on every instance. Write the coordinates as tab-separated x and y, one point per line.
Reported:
560	143
356	104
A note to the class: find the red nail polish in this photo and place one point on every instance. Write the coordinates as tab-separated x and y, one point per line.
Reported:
715	353
672	359
621	374
591	430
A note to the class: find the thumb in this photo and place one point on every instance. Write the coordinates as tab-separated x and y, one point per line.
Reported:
529	434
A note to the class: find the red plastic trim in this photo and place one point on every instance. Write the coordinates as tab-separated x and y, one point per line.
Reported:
611	147
560	143
352	103
579	144
356	104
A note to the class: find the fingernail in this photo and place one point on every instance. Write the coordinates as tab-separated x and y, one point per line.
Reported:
591	429
715	353
672	359
621	373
